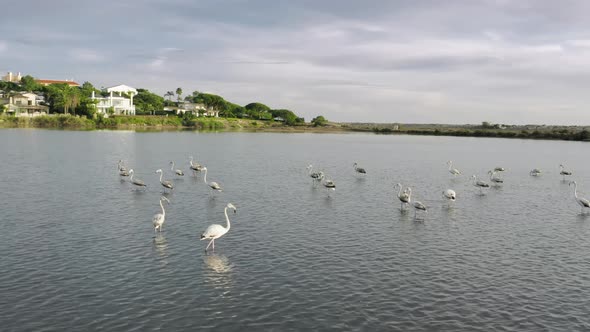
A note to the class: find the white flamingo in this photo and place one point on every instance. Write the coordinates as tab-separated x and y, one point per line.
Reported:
159	218
359	169
450	195
404	197
419	206
480	184
212	185
535	172
329	184
584	203
452	170
496	180
316	176
196	167
166	184
216	231
122	169
178	172
563	172
136	182
499	169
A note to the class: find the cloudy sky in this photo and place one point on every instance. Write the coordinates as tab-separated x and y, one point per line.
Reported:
525	61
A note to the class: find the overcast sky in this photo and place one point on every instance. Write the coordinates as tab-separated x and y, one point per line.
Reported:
525	61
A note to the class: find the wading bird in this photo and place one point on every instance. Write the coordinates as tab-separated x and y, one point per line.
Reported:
178	172
136	182
419	206
359	169
122	169
563	172
499	169
196	167
496	180
584	203
450	195
329	184
164	183
535	172
216	231
404	197
212	185
480	184
452	170
316	176
159	218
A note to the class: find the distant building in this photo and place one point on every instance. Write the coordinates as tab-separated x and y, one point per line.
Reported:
10	77
24	104
120	104
197	109
49	82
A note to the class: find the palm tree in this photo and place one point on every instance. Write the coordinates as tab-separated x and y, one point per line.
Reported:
169	94
178	93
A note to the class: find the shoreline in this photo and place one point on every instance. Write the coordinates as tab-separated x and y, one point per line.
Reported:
173	123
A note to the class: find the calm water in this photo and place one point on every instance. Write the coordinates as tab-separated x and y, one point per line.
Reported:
79	251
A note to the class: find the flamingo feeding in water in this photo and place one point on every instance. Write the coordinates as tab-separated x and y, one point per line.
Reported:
496	180
216	231
164	183
419	206
159	218
584	203
450	195
535	172
316	176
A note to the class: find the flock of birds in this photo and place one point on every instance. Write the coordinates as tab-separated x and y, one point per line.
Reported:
212	232
216	231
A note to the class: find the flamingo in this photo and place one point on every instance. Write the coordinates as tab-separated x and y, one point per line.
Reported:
122	169
499	169
316	176
404	197
419	206
584	203
164	183
159	218
329	184
212	185
136	182
479	183
216	231
452	170
450	195
359	169
535	172
178	172
563	172
496	180
196	167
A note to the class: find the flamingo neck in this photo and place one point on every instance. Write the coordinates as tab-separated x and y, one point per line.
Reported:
399	194
227	219
162	206
310	170
172	168
450	165
575	190
205	177
161	176
131	178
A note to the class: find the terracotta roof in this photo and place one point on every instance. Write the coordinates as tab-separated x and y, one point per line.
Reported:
46	82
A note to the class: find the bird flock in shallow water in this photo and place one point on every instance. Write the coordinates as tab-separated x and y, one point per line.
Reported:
404	195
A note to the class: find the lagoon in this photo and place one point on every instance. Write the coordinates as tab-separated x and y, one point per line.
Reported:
79	251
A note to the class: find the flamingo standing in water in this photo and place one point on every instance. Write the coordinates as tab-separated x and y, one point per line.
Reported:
178	172
404	197
212	185
480	184
159	218
452	170
316	176
122	169
535	172
563	172
196	167
495	179
136	182
166	184
450	195
359	169
584	203
419	206
216	231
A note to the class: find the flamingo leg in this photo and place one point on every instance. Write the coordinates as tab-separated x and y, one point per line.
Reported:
208	245
213	244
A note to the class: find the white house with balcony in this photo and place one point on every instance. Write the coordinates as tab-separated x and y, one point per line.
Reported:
117	100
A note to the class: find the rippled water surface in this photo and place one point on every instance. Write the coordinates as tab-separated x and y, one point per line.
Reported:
79	252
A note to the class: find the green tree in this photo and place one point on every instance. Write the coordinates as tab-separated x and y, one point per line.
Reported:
179	94
147	102
28	83
169	94
289	117
258	111
319	121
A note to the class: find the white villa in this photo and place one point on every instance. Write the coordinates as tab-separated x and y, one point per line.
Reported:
196	109
119	104
24	104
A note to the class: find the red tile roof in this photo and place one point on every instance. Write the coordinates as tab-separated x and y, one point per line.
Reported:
47	82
